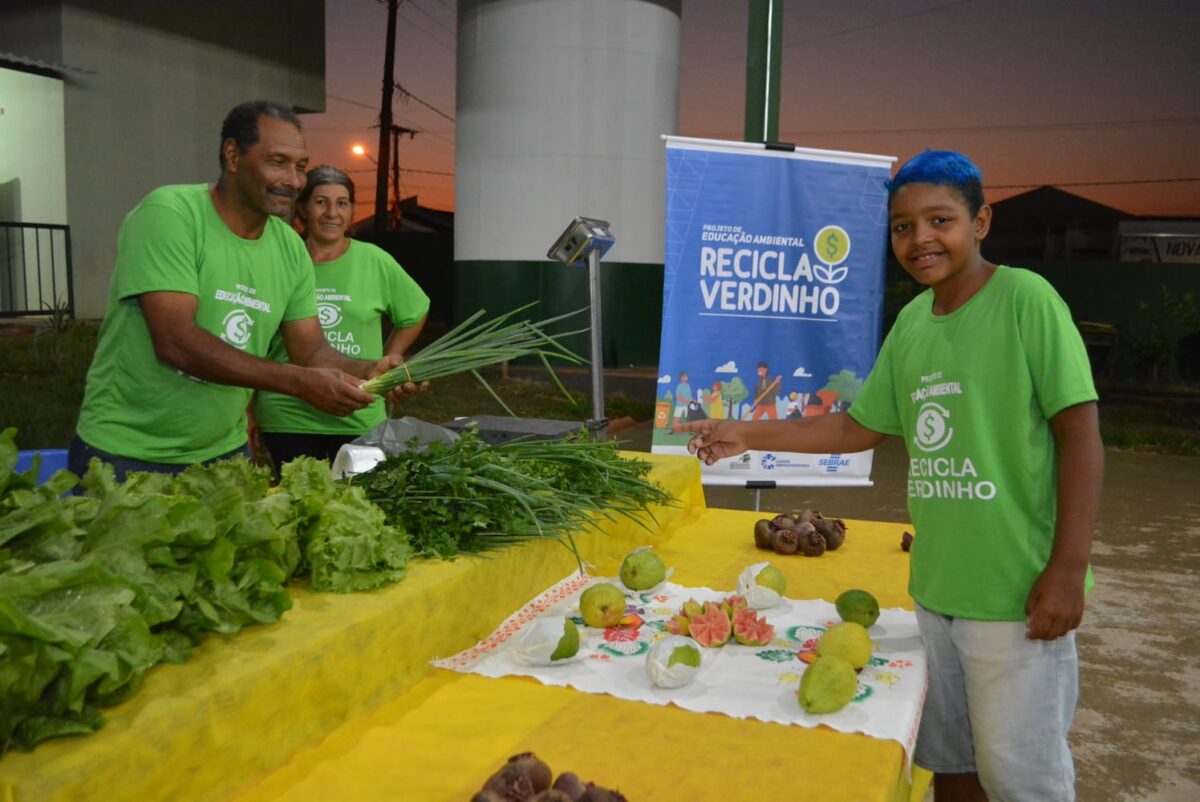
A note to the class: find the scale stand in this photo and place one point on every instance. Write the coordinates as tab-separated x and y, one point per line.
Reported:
587	238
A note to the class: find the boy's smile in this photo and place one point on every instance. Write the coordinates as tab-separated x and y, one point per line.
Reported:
936	239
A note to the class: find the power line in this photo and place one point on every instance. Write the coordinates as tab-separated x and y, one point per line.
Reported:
1058	126
426	31
426	105
879	24
842	32
425	131
403	170
436	21
1094	183
341	99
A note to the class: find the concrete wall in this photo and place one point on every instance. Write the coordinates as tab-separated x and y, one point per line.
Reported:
33	169
147	84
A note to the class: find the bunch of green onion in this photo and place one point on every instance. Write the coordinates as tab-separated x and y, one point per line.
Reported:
469	497
472	345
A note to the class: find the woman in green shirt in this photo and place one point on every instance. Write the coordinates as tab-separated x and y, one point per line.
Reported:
359	287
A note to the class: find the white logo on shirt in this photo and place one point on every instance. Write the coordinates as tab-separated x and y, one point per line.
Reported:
329	314
236	328
933	431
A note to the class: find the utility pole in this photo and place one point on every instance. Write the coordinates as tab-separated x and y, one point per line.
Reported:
397	132
385	122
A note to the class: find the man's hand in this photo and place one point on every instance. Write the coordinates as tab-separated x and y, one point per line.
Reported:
1054	606
400	391
715	439
330	390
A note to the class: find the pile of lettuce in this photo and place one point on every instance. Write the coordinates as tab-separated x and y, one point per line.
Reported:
98	586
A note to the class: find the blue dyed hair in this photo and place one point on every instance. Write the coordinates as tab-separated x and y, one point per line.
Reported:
945	168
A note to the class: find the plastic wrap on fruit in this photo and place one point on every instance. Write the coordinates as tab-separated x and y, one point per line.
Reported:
673	661
763	585
549	642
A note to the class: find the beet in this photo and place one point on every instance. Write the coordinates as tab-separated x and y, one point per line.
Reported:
552	795
569	783
520	778
834	532
764	534
806	516
787	541
783	522
598	794
812	544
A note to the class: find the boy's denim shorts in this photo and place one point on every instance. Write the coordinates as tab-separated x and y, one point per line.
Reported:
1000	705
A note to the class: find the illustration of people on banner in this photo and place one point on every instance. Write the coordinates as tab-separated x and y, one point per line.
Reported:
772	296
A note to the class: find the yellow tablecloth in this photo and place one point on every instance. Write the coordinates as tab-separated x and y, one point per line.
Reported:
337	701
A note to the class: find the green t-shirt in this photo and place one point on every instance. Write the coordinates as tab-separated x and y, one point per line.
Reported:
354	292
972	394
174	240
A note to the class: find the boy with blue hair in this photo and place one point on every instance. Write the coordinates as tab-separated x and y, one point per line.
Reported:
986	378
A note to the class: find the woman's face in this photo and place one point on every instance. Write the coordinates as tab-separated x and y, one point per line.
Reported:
328	213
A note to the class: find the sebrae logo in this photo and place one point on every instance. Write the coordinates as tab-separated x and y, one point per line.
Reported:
933	430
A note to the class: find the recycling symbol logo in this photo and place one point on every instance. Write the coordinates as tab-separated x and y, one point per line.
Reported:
235	328
933	429
329	314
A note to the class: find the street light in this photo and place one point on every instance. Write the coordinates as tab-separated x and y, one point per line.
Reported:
359	150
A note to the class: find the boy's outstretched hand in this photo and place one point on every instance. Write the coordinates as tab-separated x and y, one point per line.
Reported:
715	439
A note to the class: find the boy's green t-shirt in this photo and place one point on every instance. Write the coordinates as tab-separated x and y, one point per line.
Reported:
354	293
972	394
174	240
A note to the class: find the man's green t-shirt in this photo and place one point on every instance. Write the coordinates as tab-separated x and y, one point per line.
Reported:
972	394
354	293
174	240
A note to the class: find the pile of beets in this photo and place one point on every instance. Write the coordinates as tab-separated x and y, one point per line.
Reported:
806	532
525	778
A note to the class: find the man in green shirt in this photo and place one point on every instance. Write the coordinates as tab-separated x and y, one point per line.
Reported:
205	277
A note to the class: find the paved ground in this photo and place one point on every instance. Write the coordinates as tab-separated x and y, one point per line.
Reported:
1137	729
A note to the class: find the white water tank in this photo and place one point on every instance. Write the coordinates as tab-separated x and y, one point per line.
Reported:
560	109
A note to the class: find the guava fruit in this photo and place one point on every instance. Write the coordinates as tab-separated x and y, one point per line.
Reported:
710	628
858	606
568	646
750	630
602	605
731	604
771	577
642	569
680	623
828	685
673	661
848	641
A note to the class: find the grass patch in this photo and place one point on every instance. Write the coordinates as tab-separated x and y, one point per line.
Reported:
43	372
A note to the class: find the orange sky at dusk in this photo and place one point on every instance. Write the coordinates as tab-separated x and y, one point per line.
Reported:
1097	97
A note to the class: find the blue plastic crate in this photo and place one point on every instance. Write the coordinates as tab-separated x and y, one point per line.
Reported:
52	460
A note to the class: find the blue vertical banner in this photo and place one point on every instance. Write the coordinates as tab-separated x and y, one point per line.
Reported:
772	296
